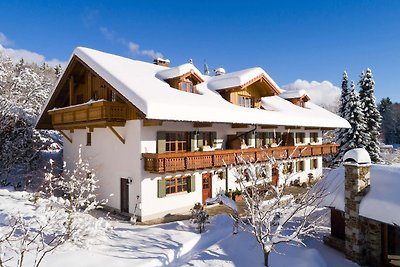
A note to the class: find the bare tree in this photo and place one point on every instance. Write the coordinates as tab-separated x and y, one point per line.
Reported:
273	215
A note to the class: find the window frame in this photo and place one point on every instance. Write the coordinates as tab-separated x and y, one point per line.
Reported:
300	138
173	186
187	86
313	137
177	144
300	166
88	139
245	101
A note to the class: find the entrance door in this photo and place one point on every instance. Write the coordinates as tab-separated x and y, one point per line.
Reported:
287	139
275	175
124	195
207	186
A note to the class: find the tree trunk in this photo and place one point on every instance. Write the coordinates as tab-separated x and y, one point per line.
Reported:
266	255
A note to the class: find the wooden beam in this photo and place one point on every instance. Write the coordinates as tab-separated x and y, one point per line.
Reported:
292	127
117	134
71	90
89	85
198	124
312	128
238	125
269	126
152	122
66	136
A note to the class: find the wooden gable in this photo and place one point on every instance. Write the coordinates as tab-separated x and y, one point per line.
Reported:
255	89
77	86
189	76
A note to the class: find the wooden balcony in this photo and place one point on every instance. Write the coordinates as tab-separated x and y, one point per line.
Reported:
172	162
92	114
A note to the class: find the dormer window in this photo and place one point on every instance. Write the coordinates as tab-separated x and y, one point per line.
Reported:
245	101
187	86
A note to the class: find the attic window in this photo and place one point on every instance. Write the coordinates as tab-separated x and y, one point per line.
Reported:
187	86
245	101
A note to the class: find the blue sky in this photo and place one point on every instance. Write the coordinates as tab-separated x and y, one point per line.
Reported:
308	40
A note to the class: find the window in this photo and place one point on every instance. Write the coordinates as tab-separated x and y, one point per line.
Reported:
314	137
208	139
300	166
176	184
269	138
176	141
187	86
300	138
88	139
287	168
313	164
245	101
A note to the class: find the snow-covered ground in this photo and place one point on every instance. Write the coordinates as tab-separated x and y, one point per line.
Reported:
174	244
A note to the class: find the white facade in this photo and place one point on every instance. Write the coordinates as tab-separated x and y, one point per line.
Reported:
113	160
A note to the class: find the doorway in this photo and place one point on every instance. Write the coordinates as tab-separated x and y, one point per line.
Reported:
275	175
207	186
124	195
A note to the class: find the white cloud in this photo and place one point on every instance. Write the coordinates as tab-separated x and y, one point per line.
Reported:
32	57
134	48
4	40
321	93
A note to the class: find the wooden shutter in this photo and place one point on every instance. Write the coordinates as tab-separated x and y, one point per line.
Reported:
224	174
191	183
161	188
258	139
192	141
161	142
200	140
213	137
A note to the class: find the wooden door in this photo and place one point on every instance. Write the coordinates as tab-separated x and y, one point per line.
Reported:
124	195
275	175
207	186
287	139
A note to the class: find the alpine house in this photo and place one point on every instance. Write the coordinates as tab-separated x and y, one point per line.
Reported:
163	138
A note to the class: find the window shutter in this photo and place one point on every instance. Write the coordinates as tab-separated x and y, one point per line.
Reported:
199	140
224	176
249	139
258	139
161	142
213	137
191	183
192	141
161	188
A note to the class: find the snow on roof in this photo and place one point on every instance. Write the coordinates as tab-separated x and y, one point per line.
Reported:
357	155
293	94
237	78
381	203
142	84
178	71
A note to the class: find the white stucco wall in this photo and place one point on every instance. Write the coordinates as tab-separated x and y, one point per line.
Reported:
112	160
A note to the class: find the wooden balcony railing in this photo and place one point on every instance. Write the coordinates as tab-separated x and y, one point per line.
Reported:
90	112
172	162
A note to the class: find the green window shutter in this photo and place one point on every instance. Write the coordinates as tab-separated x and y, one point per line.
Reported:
191	183
161	188
258	139
161	142
213	137
199	140
224	174
192	141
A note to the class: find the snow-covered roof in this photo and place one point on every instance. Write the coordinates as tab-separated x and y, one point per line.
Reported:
381	203
177	71
293	94
358	155
143	85
238	78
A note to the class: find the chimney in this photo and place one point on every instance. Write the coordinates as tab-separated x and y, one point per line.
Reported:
161	62
219	71
357	164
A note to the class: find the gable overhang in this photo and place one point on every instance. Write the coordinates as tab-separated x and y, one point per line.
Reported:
44	120
260	78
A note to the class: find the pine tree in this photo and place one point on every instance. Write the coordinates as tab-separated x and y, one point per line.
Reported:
341	133
371	113
357	133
